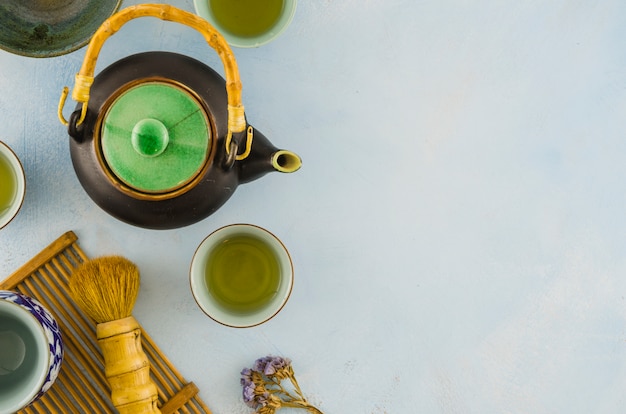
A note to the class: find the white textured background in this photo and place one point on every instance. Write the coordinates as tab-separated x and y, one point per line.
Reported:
458	227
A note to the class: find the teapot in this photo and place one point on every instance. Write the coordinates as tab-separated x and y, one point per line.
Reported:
160	140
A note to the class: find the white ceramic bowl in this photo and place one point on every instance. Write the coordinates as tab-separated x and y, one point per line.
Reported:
208	304
7	214
289	9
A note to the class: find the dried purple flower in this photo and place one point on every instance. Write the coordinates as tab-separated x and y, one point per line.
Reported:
246	376
270	365
263	399
248	394
263	390
259	364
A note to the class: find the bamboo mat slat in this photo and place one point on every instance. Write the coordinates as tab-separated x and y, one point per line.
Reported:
81	386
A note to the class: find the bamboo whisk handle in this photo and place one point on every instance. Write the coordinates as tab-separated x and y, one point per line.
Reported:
126	367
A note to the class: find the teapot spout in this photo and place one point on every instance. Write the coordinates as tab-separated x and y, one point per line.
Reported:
286	161
264	158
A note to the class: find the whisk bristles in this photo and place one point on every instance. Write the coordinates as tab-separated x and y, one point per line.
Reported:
106	288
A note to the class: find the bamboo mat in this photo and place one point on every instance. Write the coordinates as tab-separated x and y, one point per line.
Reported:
81	386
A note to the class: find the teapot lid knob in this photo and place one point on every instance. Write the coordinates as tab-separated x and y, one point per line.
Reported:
149	137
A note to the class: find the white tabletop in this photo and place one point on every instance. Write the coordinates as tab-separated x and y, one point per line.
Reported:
457	227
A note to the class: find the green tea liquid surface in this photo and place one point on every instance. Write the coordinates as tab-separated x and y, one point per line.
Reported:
8	185
246	18
242	274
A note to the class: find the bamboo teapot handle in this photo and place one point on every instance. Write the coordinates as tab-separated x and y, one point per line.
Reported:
84	78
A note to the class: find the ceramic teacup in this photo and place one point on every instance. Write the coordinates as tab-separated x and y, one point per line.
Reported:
31	351
247	23
12	184
241	275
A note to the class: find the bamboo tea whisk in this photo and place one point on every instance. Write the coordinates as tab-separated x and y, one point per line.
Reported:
106	289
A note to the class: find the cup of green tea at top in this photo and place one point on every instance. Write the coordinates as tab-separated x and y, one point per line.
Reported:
247	23
12	184
241	275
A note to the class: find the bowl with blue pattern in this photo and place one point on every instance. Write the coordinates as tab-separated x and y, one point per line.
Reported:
31	351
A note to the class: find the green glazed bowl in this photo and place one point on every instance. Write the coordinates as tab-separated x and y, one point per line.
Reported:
46	28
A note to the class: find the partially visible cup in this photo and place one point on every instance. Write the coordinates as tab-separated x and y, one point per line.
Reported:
12	184
241	275
247	23
31	351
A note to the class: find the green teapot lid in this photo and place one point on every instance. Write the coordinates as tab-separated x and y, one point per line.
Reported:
155	137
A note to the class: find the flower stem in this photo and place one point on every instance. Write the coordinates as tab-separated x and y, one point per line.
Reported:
302	404
279	389
296	387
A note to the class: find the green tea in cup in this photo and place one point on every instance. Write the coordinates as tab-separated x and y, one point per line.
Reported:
241	275
8	183
246	18
12	184
247	23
